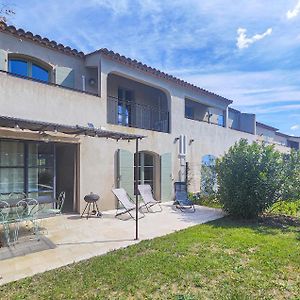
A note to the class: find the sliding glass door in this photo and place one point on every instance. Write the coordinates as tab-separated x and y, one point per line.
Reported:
11	167
27	167
40	181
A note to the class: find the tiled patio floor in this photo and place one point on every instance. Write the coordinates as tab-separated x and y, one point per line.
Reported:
71	239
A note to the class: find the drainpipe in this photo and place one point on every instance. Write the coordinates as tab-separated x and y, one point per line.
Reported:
83	82
226	117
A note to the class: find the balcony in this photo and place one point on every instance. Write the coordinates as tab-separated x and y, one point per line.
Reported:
134	114
135	104
203	113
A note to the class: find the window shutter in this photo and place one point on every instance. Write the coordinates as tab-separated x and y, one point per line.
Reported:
65	76
125	172
166	177
3	60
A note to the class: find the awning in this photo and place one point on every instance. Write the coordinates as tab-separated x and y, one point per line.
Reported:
40	126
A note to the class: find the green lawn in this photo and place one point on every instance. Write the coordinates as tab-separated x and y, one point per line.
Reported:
223	259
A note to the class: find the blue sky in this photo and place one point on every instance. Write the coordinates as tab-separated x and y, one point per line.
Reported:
246	50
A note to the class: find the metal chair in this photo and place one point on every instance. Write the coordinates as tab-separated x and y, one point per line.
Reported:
16	196
128	205
4	219
27	211
59	203
183	202
147	198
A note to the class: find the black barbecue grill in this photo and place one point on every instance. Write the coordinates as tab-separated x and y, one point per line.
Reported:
91	201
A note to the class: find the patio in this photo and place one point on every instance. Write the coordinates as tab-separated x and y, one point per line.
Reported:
71	239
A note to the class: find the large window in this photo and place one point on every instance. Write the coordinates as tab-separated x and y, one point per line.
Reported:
11	167
28	68
40	170
27	167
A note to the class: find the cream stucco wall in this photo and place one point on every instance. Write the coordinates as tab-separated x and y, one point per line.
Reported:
26	99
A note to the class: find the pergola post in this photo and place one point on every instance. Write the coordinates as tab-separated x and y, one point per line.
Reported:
136	182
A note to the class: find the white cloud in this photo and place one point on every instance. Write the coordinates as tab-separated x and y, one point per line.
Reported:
294	12
295	127
243	41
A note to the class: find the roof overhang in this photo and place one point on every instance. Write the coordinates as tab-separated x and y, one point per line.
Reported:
266	126
40	126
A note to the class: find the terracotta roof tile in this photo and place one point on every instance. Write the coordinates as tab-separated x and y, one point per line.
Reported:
37	38
108	53
145	68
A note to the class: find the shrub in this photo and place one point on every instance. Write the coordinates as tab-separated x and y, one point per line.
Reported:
291	164
200	199
286	208
250	179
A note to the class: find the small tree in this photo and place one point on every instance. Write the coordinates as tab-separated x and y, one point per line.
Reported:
250	179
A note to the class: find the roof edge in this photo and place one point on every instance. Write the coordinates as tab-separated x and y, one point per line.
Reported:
9	29
155	72
267	126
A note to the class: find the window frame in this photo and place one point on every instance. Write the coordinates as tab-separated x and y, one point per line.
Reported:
30	62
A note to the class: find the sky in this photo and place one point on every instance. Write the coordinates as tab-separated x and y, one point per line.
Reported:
245	50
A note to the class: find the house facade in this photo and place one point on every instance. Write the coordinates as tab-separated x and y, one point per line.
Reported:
41	80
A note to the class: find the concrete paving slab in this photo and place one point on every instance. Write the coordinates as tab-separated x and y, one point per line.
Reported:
71	239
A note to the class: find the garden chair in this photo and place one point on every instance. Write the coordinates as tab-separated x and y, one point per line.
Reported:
58	206
128	205
27	211
183	202
147	198
5	220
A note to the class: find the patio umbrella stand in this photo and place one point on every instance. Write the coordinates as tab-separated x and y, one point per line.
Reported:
91	201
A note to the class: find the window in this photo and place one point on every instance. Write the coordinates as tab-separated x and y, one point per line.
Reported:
146	169
40	169
221	120
11	167
189	112
28	68
125	100
27	167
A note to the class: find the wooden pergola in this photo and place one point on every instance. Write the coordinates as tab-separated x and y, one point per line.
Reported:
91	131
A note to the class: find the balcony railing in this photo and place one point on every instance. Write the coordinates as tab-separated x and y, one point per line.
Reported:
48	83
132	114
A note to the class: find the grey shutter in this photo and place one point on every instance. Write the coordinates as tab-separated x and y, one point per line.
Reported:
3	60
126	172
65	76
166	177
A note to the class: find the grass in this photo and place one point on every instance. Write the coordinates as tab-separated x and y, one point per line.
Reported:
223	259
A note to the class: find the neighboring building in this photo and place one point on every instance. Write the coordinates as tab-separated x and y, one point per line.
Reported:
271	135
41	80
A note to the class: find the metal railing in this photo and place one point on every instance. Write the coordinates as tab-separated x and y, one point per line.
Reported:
48	83
132	114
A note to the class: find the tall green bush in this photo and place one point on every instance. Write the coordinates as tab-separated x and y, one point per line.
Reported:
250	179
291	164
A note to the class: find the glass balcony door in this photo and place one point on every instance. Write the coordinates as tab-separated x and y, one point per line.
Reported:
125	102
